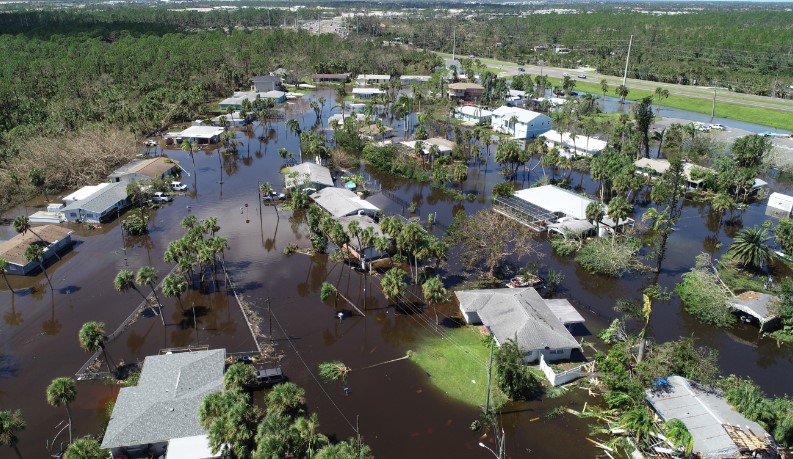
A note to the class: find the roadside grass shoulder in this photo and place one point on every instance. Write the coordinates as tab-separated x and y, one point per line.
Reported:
457	365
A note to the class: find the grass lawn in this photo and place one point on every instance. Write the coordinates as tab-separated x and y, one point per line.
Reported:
457	365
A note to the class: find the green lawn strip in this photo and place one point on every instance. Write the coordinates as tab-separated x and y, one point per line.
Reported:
457	365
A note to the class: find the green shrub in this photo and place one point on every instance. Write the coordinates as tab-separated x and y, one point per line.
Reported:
562	246
704	297
134	225
612	256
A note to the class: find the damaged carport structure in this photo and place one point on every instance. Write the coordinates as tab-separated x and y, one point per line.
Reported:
526	213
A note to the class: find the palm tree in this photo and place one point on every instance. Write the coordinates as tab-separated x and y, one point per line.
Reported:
147	275
622	91
239	376
11	423
309	441
434	293
187	146
85	448
619	209
595	213
22	225
287	398
660	94
638	421
750	247
61	392
4	273
174	285
92	339
34	252
393	284
294	127
125	281
604	87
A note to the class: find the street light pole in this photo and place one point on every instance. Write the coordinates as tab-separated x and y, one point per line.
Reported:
485	447
713	107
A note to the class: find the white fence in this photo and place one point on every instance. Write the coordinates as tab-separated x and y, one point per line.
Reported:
557	379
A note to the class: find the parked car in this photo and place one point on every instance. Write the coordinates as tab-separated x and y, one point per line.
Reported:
521	69
276	196
701	127
565	74
178	186
159	196
582	76
718	127
269	377
521	63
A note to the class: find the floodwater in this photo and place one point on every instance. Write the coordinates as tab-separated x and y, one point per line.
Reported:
398	411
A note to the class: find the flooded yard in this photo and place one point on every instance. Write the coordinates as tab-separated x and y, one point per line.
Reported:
397	409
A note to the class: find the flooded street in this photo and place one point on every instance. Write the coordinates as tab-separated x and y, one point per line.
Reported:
399	413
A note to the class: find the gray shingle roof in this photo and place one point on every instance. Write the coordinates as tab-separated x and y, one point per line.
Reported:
164	404
316	174
521	313
101	200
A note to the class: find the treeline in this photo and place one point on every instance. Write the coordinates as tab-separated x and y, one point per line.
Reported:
140	82
744	50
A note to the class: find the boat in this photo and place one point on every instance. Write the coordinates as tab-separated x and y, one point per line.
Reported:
528	280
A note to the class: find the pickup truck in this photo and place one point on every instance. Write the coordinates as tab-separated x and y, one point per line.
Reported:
178	186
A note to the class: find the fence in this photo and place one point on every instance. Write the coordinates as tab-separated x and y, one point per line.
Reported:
557	379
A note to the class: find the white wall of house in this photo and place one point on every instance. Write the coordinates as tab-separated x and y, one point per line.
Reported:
520	130
549	355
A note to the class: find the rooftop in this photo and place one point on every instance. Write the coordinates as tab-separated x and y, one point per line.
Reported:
518	312
523	116
13	250
164	404
659	166
101	200
84	192
755	303
444	146
464	86
366	91
330	75
555	199
705	414
583	143
190	448
316	174
470	110
340	202
266	79
363	222
365	76
201	132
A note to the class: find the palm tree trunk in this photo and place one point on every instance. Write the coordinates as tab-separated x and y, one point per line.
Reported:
69	414
159	305
41	264
8	284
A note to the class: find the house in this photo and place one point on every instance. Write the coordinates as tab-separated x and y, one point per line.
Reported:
341	118
163	407
100	206
410	79
758	306
363	253
522	314
571	147
515	95
233	119
56	238
519	122
372	131
366	93
472	114
198	134
466	91
550	208
717	429
444	146
138	169
368	80
780	204
330	77
651	166
265	83
309	176
341	202
236	100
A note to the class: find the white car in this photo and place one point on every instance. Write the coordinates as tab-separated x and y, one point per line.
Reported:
159	196
178	186
582	76
565	74
718	127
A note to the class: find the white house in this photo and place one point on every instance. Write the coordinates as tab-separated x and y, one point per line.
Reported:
368	80
366	93
519	122
521	314
444	146
308	175
472	114
199	134
570	146
99	206
341	202
410	79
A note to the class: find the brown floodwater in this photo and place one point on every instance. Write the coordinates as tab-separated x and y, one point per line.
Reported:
397	409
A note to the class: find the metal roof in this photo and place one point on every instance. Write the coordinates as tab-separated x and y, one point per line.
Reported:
523	116
340	202
266	79
202	132
755	303
164	404
518	313
470	110
84	192
564	311
555	199
703	413
316	174
659	166
582	143
101	200
195	447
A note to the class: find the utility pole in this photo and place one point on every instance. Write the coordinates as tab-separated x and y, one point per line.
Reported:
627	58
489	378
454	43
269	321
713	107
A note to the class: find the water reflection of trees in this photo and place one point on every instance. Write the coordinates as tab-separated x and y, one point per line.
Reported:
51	326
12	317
